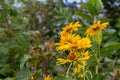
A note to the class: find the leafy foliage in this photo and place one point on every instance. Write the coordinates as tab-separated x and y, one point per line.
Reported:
28	33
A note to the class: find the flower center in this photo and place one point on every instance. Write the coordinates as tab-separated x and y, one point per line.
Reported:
71	56
95	29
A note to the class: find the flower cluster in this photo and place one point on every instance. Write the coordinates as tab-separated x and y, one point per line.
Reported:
76	45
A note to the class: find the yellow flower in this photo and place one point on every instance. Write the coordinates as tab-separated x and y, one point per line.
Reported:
78	68
84	43
81	61
72	41
70	58
63	61
96	28
73	57
69	28
82	57
68	42
80	76
48	78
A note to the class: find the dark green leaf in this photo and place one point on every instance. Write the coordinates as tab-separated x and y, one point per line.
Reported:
5	69
22	41
60	78
110	48
24	75
84	16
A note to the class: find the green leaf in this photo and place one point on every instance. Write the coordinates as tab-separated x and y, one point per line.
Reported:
83	15
21	40
5	69
97	4
110	48
24	75
24	59
60	78
9	78
98	76
111	43
91	9
5	47
3	50
93	2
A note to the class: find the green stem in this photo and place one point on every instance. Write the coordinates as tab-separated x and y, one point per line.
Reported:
90	74
95	55
98	55
83	67
67	74
87	77
98	52
36	63
83	73
97	59
97	67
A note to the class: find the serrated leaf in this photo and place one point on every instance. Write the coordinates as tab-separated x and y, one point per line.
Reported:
24	59
21	40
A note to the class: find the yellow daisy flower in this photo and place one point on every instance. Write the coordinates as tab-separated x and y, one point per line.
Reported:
83	57
48	78
63	61
74	43
96	28
69	28
84	43
68	42
70	58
